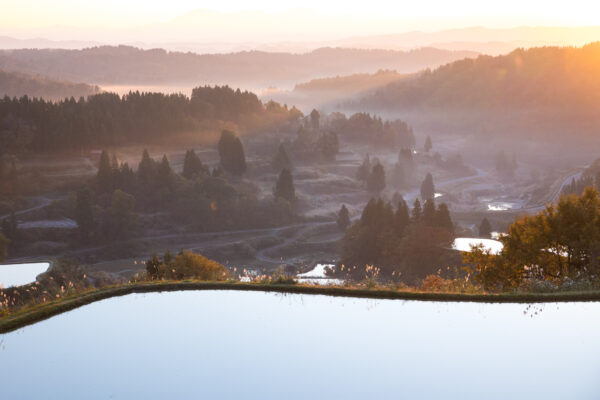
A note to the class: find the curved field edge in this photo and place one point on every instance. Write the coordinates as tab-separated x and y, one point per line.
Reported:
44	311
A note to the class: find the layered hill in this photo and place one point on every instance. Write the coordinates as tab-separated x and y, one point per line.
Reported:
324	92
531	90
128	65
17	84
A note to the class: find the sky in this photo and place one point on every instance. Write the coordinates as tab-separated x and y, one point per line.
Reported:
127	13
130	20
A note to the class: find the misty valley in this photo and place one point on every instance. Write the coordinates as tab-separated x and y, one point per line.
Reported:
385	215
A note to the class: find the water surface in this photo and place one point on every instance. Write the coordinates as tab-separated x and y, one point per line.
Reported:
253	345
20	274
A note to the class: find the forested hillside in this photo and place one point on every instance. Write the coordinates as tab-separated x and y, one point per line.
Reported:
350	84
19	84
129	65
540	88
106	119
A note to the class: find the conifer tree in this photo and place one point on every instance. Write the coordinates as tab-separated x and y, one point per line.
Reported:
104	177
417	212
343	218
401	218
192	165
364	170
376	181
443	219
164	168
284	187
314	119
427	188
152	267
428	144
146	168
429	212
231	152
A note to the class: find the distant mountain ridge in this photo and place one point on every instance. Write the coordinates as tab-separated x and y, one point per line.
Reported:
17	84
545	88
204	31
129	65
326	92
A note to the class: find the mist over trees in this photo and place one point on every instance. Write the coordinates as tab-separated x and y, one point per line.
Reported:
542	91
427	188
343	218
129	65
284	187
34	125
390	243
366	128
17	84
231	153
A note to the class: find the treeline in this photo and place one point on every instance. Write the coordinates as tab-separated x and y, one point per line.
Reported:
130	65
371	129
544	76
395	243
558	248
590	177
544	90
199	198
107	119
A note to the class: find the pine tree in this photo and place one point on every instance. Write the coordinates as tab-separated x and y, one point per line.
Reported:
328	145
427	188
167	258
104	177
401	218
416	212
284	187
192	165
443	219
152	267
485	228
428	144
146	168
376	181
314	119
429	212
164	168
363	172
343	218
231	152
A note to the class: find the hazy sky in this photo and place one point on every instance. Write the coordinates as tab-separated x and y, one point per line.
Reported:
112	13
153	20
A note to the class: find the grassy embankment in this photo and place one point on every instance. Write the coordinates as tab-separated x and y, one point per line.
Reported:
39	312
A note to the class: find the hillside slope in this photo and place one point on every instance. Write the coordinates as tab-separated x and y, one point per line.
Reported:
17	84
527	90
129	65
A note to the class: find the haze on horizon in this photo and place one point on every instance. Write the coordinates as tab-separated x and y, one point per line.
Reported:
267	21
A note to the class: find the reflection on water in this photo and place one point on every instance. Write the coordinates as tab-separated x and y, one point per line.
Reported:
465	244
234	345
20	274
318	276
